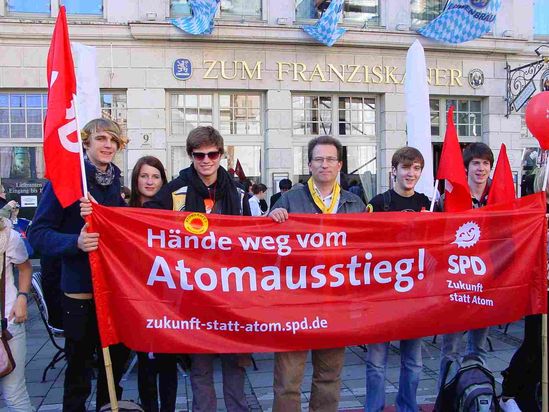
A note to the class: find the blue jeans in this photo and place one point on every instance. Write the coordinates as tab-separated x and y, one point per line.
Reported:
410	370
476	345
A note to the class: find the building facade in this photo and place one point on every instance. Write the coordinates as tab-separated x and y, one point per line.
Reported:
264	83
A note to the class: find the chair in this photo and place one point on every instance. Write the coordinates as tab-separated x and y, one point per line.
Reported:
54	333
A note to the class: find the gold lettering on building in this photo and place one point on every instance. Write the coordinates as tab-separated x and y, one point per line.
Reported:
440	74
344	73
300	71
224	74
351	78
317	71
340	74
377	71
251	74
281	70
211	65
455	77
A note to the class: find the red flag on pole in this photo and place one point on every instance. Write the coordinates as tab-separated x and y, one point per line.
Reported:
457	196
503	186
61	142
239	171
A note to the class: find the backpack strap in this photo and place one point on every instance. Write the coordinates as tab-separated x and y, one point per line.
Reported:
387	200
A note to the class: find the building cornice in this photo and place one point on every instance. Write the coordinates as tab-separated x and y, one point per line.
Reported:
227	32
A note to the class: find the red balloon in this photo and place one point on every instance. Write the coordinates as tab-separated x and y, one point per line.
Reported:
537	118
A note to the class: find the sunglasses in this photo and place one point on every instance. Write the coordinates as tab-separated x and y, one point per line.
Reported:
202	156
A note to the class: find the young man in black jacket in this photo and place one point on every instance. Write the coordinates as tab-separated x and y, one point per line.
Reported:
207	187
58	231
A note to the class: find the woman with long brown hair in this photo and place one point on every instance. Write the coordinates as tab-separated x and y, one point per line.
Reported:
148	176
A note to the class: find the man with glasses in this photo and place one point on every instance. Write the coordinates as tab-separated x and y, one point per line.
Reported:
321	194
207	187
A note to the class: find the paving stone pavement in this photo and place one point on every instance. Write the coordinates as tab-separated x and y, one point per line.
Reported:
47	396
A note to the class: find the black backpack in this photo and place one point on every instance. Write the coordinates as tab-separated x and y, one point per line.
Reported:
467	387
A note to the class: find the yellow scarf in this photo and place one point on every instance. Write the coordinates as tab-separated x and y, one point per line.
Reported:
319	202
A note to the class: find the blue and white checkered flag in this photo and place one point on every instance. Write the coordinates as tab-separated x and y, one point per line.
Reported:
462	20
202	19
325	30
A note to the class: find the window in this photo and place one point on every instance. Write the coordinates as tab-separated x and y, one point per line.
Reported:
357	116
239	114
423	11
312	115
230	113
467	117
189	111
74	7
435	116
230	9
541	17
22	117
88	7
364	12
29	6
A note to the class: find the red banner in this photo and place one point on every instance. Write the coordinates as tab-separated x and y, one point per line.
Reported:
186	282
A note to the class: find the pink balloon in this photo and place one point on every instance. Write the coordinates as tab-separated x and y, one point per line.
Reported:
537	118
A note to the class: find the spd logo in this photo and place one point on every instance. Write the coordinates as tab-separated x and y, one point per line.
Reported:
467	235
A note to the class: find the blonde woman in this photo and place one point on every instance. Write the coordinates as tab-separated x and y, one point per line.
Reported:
13	386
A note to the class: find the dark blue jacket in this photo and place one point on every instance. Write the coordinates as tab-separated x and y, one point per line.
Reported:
54	231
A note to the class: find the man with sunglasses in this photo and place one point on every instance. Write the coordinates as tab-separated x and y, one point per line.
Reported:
321	194
207	187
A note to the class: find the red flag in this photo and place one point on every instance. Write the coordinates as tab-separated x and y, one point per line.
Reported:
503	186
61	143
457	196
239	171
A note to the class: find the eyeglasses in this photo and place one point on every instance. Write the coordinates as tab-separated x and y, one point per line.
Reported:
202	156
330	160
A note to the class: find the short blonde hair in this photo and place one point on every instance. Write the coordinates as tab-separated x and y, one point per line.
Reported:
104	125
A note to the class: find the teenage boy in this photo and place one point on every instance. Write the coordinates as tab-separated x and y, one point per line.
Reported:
284	185
321	194
407	164
61	232
478	160
207	187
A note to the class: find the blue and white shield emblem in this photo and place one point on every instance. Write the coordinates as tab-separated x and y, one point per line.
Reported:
182	69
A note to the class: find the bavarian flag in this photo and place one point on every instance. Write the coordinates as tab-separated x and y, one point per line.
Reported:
462	20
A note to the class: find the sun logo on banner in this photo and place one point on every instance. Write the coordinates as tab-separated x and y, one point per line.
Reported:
196	223
467	235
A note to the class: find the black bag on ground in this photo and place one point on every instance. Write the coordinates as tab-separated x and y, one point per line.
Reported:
467	387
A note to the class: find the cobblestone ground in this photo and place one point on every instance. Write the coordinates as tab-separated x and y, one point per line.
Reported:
47	396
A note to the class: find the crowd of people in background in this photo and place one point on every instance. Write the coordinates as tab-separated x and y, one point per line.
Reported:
63	239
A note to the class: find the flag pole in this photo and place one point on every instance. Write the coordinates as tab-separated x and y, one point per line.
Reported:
80	149
434	198
110	379
544	187
544	365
